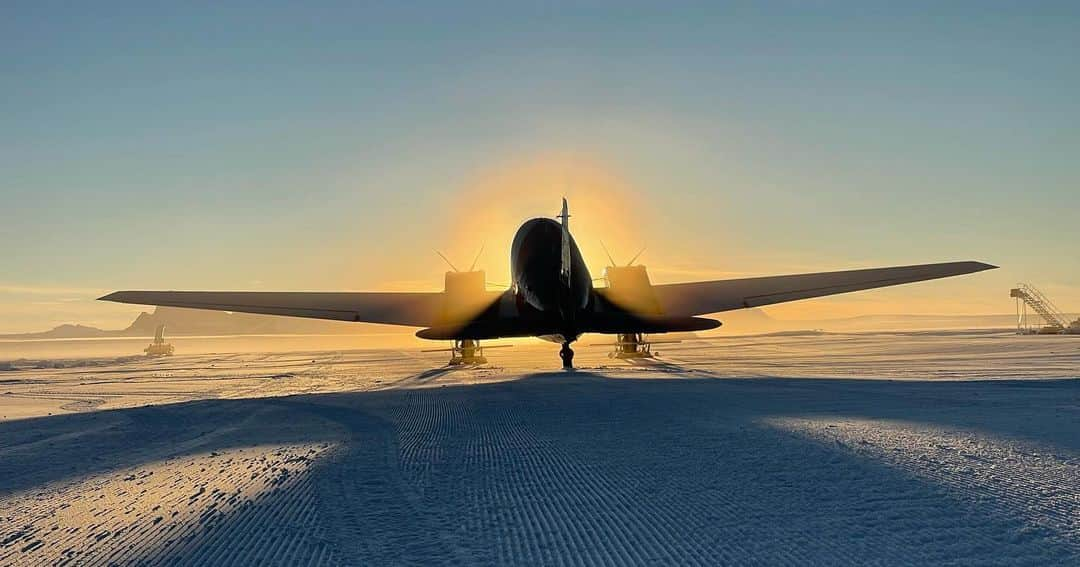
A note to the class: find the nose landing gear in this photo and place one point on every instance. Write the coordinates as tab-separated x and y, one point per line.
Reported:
567	355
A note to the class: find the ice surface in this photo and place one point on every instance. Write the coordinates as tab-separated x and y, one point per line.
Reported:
916	448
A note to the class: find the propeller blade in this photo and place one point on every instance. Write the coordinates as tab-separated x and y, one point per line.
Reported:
477	258
448	262
610	259
631	262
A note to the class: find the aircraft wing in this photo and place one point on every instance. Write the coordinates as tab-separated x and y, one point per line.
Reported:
419	309
699	298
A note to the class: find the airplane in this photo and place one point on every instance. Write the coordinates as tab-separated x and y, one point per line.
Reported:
551	296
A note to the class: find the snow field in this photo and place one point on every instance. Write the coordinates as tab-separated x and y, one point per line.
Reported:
384	458
170	509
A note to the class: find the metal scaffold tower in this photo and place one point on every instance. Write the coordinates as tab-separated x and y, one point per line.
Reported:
1027	296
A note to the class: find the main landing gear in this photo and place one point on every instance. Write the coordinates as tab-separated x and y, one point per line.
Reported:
567	355
467	351
631	345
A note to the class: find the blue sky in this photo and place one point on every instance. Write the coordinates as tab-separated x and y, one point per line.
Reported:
284	146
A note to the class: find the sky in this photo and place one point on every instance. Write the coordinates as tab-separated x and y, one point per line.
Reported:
335	146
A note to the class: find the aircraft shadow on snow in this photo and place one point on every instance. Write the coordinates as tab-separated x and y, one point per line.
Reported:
157	423
603	423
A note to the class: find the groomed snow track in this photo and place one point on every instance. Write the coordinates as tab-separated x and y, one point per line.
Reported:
559	469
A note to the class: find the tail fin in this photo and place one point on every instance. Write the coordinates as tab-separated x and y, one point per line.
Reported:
564	216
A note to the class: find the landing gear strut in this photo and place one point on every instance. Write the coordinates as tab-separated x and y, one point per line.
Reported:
631	345
567	355
467	351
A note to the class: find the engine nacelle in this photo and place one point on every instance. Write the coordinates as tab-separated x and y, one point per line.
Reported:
629	288
464	296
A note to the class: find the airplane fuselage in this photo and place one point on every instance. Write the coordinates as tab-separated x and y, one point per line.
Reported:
537	275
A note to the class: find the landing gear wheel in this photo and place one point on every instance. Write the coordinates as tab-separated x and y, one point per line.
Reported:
631	345
567	355
466	351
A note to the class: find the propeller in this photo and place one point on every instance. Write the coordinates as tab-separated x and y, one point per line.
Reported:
472	266
608	254
631	262
448	262
612	260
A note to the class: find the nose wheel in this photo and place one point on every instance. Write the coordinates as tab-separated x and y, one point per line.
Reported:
567	355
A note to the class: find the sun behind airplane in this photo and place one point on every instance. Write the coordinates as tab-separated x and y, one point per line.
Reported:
552	297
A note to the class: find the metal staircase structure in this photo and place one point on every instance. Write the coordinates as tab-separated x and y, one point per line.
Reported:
1028	296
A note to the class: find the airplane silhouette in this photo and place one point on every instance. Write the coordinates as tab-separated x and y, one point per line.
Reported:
551	297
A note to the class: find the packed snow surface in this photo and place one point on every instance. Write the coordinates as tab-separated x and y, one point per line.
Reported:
915	448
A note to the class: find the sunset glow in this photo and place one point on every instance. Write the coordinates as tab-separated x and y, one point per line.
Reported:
333	158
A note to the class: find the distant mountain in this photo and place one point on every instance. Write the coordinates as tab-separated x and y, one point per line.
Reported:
65	332
179	321
188	322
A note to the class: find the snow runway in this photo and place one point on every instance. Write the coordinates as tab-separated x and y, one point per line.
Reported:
352	459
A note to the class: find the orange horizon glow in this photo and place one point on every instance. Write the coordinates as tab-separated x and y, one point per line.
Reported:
488	208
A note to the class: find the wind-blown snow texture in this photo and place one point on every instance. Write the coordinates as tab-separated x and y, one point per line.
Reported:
371	457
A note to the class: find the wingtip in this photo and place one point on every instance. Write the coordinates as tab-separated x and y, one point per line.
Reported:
984	266
114	296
